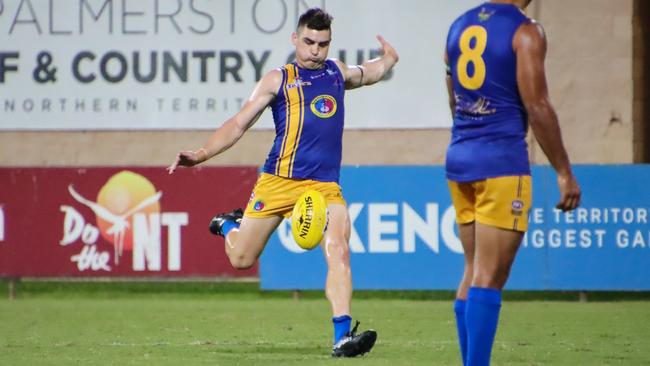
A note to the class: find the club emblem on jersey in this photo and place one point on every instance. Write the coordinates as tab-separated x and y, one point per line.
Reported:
484	15
324	106
259	205
517	207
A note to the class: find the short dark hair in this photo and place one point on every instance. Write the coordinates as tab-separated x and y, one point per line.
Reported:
316	19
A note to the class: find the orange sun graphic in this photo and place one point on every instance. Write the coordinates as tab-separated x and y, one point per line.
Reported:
124	195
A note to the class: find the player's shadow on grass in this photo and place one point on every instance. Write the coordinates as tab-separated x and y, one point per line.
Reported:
270	349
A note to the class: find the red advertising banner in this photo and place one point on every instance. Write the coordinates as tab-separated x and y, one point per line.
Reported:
122	222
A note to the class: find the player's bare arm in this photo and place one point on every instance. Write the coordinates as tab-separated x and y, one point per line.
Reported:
235	127
370	71
530	46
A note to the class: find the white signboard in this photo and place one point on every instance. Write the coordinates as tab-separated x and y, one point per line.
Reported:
190	64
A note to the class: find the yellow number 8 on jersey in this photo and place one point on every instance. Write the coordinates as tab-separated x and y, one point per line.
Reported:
473	55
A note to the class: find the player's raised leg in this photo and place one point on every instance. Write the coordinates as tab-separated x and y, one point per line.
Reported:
245	238
495	251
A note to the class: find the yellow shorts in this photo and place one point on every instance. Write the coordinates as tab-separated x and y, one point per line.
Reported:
503	202
275	196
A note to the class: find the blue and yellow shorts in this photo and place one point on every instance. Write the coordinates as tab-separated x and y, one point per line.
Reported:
503	202
275	196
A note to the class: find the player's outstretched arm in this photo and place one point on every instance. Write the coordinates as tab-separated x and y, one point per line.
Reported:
235	127
370	71
530	46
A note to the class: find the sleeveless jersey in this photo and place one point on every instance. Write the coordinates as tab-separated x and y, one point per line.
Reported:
308	114
490	122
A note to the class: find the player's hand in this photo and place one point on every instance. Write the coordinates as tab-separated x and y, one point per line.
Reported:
569	192
184	158
388	49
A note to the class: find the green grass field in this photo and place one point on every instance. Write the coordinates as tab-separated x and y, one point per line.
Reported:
212	324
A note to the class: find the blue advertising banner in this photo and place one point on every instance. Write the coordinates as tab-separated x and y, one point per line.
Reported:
404	234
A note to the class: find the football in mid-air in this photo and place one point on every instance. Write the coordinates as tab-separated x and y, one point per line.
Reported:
309	219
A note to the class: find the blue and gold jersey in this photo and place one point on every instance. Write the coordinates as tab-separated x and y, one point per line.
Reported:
308	114
490	122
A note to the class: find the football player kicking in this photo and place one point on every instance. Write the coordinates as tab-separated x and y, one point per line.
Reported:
306	97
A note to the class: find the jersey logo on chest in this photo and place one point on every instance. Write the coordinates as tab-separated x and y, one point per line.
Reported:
323	106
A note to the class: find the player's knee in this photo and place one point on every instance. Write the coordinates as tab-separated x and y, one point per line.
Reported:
490	279
338	247
337	252
241	261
